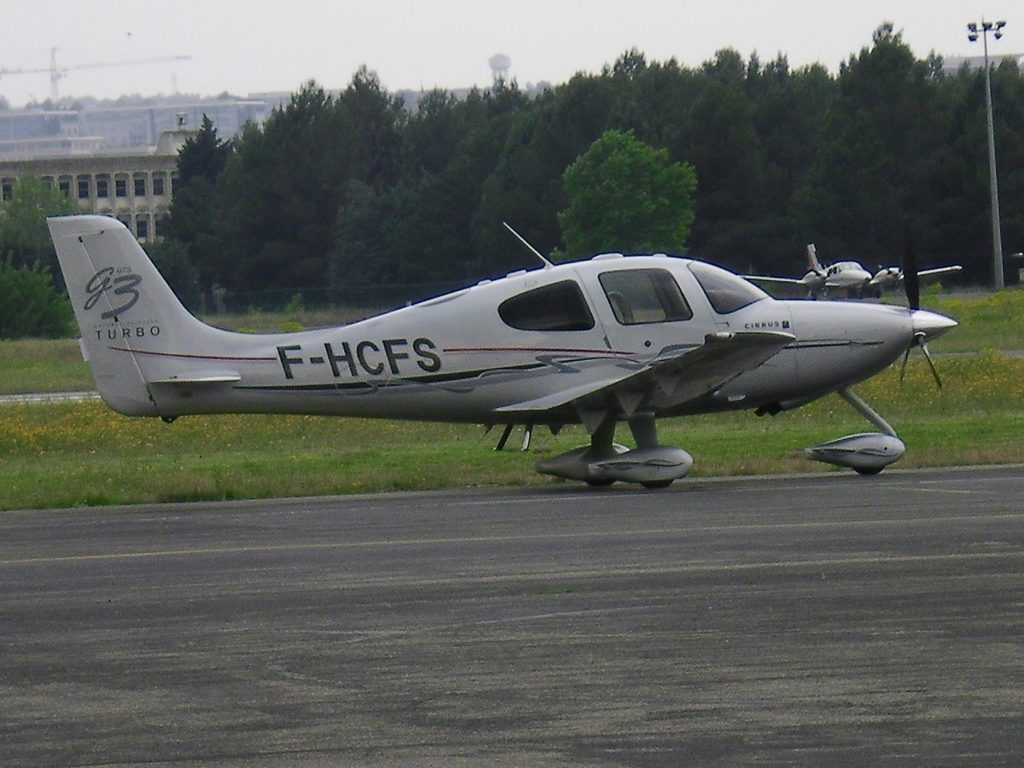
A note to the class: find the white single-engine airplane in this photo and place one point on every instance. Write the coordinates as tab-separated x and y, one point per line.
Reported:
614	338
849	276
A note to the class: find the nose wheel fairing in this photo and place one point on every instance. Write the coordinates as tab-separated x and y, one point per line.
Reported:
866	452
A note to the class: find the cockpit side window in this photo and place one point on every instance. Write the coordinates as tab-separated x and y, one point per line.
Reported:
556	307
726	292
639	296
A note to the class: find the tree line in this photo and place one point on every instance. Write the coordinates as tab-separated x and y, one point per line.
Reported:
354	189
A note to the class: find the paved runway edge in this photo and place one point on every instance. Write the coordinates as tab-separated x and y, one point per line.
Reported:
791	620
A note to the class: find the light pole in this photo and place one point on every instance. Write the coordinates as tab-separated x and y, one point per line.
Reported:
996	28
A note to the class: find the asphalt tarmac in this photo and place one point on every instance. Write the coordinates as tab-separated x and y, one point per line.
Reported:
815	620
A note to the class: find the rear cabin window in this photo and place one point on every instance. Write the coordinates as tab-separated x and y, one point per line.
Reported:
555	307
640	296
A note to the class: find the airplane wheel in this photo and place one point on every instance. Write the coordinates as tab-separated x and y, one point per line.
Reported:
657	484
868	471
599	482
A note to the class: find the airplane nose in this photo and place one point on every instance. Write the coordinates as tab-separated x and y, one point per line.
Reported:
930	324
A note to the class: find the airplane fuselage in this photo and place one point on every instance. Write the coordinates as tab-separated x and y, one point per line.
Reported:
457	358
598	342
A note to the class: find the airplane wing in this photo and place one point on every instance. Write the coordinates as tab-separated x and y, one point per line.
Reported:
764	279
680	375
939	271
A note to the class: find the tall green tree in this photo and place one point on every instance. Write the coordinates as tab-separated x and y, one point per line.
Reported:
194	219
426	225
625	195
883	133
172	261
525	187
23	231
30	305
1009	86
356	189
203	155
726	150
283	189
960	183
277	194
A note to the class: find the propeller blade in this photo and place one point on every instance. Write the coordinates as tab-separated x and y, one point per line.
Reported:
911	281
903	367
931	364
919	341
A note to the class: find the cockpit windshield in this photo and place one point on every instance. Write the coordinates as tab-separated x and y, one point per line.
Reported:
725	291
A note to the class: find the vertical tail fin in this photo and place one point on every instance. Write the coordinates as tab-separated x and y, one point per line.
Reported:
812	259
122	305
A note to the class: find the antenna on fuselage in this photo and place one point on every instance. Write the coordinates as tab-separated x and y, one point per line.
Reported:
523	240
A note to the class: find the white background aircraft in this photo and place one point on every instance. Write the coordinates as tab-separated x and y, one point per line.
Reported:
598	342
849	277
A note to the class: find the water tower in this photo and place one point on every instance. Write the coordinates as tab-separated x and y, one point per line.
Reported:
500	64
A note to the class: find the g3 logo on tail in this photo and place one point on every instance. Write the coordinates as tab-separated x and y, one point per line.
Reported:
123	285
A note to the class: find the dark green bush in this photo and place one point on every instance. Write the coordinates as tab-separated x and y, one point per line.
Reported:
29	304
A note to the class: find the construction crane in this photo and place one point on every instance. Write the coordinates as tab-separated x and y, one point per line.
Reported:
56	73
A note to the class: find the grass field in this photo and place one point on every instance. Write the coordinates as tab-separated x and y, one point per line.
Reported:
43	365
987	320
84	453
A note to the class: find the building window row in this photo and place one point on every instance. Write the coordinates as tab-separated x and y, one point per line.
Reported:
140	200
145	226
88	186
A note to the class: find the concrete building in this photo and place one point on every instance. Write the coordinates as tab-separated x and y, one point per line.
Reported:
952	64
135	187
39	132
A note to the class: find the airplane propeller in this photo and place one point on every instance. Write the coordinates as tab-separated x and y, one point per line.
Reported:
920	340
911	281
912	285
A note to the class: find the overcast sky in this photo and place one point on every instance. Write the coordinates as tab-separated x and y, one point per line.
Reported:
247	46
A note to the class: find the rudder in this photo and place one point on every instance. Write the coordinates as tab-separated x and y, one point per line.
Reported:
121	303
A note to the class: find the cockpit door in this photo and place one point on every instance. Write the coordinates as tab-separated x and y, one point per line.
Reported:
643	309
